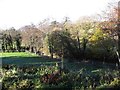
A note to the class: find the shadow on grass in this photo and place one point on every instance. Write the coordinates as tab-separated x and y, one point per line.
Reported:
45	60
20	61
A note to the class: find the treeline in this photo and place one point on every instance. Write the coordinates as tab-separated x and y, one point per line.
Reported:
11	40
86	39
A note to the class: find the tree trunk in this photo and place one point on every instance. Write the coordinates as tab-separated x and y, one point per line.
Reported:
117	53
118	30
51	55
78	42
84	47
118	26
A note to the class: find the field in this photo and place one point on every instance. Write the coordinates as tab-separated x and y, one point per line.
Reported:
24	70
17	54
25	58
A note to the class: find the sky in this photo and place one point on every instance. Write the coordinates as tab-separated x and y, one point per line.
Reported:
17	13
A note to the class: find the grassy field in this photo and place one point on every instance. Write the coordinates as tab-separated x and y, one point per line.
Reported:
25	58
17	54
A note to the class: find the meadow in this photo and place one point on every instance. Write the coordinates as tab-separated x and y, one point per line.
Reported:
25	58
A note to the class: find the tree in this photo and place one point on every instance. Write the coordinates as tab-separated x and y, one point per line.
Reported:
18	40
7	42
32	38
11	40
118	26
111	25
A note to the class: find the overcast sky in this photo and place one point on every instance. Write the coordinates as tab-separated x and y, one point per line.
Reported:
18	13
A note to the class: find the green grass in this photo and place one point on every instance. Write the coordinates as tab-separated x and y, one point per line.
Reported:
17	54
26	58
